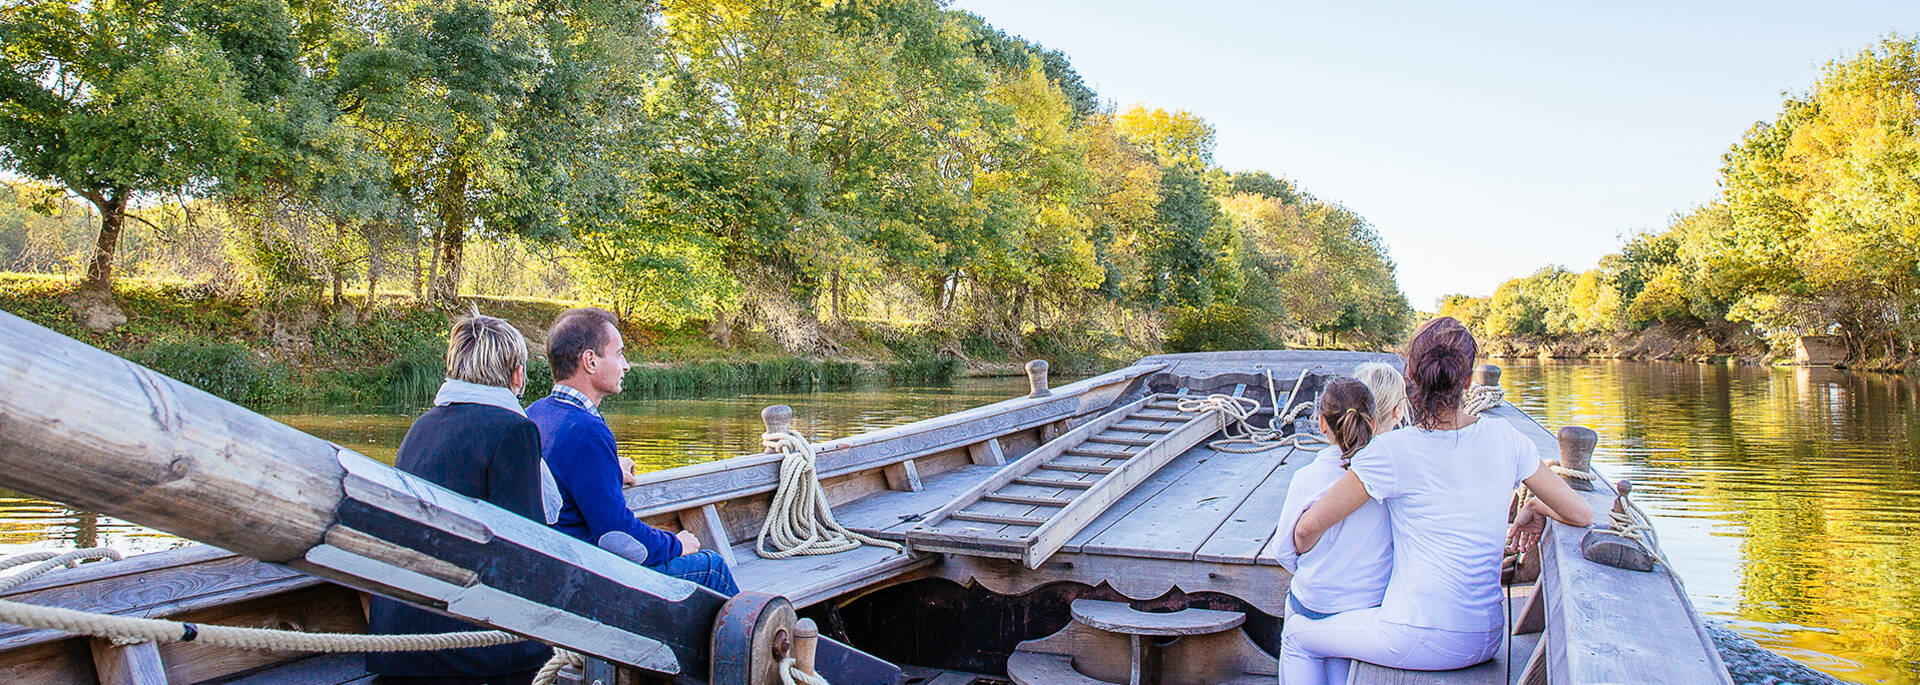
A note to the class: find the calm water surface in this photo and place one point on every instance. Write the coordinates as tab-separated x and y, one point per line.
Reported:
1789	499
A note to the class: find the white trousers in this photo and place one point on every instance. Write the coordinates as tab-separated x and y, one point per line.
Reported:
1317	652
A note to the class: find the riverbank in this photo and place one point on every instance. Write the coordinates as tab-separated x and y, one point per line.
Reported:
291	353
1726	344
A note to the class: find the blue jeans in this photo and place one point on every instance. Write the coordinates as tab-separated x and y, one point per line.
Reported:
1302	609
704	567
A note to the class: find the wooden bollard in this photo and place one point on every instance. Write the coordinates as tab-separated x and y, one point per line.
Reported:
806	637
778	418
1486	374
1603	545
1576	453
1037	378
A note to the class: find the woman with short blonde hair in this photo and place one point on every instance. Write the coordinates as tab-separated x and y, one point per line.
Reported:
487	351
476	441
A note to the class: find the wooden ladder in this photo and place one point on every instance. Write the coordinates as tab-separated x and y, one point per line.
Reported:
1031	507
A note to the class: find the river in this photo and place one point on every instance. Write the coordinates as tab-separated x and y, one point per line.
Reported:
1788	499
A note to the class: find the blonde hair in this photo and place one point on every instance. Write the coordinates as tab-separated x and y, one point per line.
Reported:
485	350
1389	390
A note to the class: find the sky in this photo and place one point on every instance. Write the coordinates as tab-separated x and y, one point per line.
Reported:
1482	140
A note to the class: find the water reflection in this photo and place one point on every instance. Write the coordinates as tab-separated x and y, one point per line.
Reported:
1785	497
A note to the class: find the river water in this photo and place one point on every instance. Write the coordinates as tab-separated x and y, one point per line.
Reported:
1788	499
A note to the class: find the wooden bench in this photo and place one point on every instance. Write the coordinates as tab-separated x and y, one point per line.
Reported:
1111	642
1493	671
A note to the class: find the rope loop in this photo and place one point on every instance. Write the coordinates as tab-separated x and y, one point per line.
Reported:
790	674
800	521
1241	436
1480	398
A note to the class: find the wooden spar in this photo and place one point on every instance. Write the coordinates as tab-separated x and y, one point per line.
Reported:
81	426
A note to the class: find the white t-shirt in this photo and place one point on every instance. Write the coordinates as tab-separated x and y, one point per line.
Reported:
1446	494
1348	568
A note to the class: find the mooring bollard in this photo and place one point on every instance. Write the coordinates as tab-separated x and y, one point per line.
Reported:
1486	374
1613	547
778	418
1037	378
1576	455
806	637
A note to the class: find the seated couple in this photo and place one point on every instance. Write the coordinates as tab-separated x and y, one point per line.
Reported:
553	462
1395	535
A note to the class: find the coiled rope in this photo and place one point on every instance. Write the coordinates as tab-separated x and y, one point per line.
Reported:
800	522
1481	398
130	630
790	674
1241	436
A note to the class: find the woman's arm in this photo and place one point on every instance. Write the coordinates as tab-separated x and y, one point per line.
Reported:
1343	499
1557	500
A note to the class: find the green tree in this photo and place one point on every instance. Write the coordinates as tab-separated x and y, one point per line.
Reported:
117	100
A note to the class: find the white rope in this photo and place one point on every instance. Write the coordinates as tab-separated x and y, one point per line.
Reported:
1573	473
1481	398
1241	436
562	658
790	674
800	522
129	630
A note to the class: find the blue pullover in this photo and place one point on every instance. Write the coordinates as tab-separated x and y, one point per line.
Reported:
580	451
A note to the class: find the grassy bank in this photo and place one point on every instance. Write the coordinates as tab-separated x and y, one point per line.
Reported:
389	353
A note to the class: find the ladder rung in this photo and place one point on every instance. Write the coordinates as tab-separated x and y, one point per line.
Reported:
1111	440
1027	499
1174	406
1141	429
1055	483
996	518
1154	415
1098	454
1082	468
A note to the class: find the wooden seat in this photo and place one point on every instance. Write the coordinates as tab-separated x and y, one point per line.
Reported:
1490	672
1117	617
1111	642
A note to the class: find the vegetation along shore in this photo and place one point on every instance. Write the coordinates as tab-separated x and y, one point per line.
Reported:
1816	230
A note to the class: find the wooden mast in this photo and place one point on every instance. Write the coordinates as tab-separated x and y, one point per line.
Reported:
87	428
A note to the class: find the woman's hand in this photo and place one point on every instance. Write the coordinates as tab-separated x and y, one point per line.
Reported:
1524	534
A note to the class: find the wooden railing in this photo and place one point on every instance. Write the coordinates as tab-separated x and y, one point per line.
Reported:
1604	624
695	485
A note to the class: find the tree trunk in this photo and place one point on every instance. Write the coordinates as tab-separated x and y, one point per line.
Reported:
113	218
453	234
446	286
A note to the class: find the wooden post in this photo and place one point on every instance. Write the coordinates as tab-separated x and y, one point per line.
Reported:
778	418
1576	453
1037	378
134	664
806	639
1605	546
1486	374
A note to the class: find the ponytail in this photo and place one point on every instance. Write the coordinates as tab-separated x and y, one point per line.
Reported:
1347	407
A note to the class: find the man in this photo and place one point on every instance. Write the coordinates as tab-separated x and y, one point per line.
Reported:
589	362
478	442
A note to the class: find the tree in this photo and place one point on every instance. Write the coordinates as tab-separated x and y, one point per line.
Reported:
116	100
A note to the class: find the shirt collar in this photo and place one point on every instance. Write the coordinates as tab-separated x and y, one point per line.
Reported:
576	398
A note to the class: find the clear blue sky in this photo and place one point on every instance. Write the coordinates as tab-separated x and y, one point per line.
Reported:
1482	140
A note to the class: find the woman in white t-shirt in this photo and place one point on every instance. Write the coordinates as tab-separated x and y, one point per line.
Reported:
1445	483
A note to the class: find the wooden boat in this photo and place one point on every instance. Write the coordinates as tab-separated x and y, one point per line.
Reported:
1076	535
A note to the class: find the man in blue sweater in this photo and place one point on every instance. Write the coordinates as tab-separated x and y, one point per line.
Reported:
589	361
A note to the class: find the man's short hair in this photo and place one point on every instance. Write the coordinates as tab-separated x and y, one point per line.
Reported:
573	332
484	350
